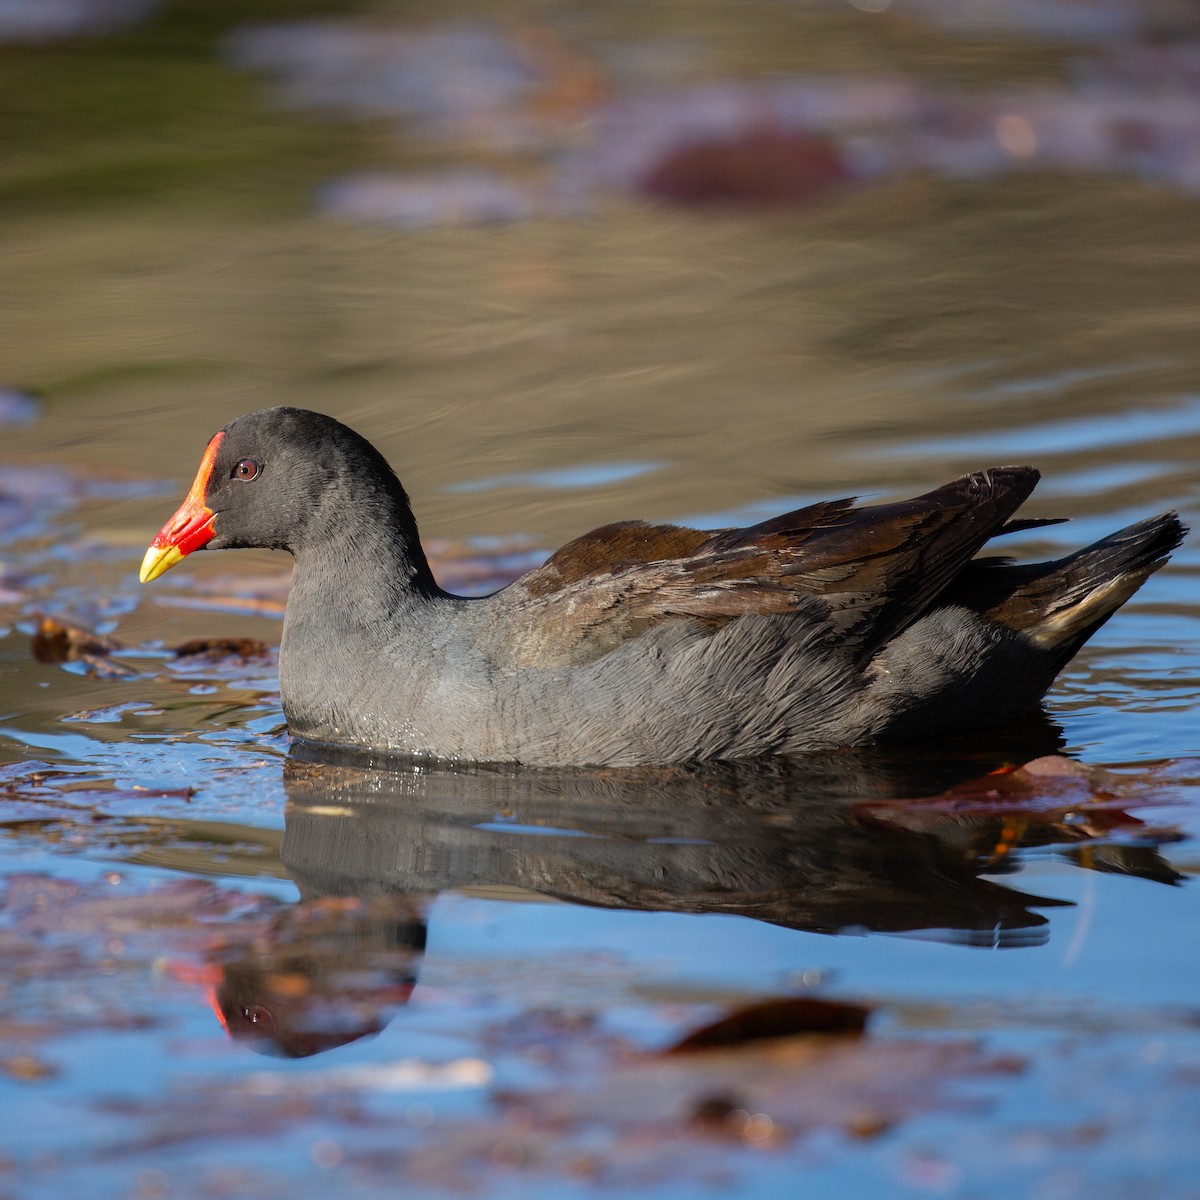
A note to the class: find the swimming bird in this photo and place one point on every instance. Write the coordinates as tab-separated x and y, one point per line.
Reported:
835	625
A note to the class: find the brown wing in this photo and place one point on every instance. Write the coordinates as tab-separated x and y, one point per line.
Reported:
877	568
609	550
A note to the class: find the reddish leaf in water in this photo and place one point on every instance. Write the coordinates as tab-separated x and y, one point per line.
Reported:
1042	787
1048	800
785	1017
108	800
758	166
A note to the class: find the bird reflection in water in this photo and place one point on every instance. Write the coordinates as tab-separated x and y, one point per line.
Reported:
322	973
819	845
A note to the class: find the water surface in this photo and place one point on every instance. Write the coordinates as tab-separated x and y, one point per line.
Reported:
230	971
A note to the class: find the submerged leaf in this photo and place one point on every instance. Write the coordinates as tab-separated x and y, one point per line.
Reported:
784	1017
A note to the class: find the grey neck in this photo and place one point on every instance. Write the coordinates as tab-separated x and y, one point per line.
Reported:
364	556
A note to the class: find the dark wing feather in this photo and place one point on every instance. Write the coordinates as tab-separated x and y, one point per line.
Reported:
877	568
886	565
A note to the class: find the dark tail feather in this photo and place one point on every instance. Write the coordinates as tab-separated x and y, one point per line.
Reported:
1059	605
1067	601
1022	523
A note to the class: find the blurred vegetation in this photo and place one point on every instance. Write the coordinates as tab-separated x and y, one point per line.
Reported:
154	112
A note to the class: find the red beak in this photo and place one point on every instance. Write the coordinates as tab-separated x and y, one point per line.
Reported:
190	528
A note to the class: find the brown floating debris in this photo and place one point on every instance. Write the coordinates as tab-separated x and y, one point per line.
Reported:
226	647
786	1017
56	642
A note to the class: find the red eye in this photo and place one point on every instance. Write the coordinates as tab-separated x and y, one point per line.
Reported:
247	469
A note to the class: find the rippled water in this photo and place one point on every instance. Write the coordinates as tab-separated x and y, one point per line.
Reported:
539	934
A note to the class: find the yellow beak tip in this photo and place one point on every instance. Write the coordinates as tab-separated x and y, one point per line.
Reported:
158	560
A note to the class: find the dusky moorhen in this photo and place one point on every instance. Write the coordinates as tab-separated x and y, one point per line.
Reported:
829	626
